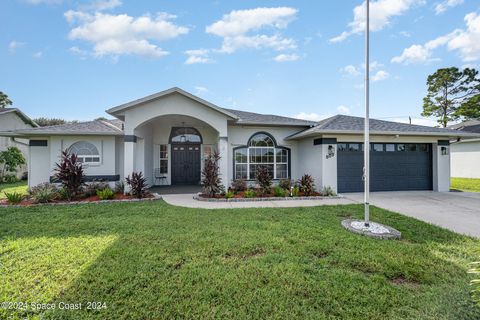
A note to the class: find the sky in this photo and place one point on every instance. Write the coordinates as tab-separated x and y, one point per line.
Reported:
74	59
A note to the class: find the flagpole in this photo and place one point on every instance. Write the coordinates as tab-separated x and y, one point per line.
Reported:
366	145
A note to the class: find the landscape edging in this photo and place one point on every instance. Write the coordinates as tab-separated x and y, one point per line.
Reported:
198	198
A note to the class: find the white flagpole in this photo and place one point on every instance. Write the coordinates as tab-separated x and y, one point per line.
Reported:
366	144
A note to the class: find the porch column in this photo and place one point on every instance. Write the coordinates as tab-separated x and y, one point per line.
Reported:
223	162
441	166
130	142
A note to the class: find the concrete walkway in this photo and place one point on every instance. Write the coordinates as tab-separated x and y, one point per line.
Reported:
186	200
457	211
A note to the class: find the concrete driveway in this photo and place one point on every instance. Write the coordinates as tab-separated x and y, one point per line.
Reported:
457	211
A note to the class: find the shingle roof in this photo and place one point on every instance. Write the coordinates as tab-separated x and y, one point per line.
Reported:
349	124
20	114
245	117
96	127
469	125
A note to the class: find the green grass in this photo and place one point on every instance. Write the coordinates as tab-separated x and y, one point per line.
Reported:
19	187
465	184
151	260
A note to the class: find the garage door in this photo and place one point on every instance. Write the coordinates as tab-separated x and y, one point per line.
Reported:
393	166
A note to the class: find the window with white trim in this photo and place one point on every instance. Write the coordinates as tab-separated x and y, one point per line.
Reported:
86	152
261	151
163	158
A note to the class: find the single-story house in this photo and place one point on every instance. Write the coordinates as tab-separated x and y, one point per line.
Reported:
167	135
465	158
14	119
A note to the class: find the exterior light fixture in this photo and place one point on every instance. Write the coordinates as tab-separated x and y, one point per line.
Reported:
183	137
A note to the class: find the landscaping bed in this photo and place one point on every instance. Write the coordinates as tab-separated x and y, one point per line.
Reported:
240	197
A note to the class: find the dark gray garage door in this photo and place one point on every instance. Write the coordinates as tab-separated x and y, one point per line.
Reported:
393	166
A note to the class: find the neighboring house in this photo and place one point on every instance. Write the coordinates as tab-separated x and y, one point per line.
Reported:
168	134
14	119
465	156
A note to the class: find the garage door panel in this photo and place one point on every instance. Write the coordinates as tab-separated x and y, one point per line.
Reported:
408	168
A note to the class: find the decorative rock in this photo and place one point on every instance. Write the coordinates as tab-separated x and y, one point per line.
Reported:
199	198
374	230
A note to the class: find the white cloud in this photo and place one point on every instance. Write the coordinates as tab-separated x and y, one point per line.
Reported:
381	13
122	34
241	29
380	76
466	42
443	6
38	54
286	57
198	56
406	34
100	5
200	90
350	70
343	109
14	45
311	116
35	2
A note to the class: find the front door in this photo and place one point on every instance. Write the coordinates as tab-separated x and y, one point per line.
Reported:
185	163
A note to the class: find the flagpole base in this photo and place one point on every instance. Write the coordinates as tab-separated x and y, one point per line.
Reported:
374	229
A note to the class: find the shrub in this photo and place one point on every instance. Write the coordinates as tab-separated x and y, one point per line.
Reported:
138	185
211	181
279	192
70	173
285	184
92	188
328	191
105	194
63	193
229	195
119	187
476	282
307	185
13	197
44	193
239	185
10	178
10	160
250	193
264	179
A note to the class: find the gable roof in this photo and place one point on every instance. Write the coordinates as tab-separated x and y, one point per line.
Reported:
115	111
342	124
95	127
469	125
20	114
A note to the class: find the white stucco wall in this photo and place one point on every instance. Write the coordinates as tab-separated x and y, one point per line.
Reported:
39	168
465	159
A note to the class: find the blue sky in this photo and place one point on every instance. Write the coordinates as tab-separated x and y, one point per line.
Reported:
74	59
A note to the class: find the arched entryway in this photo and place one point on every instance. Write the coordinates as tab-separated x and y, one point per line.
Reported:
186	155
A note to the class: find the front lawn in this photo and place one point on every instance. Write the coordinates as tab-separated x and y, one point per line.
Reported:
19	187
151	260
465	184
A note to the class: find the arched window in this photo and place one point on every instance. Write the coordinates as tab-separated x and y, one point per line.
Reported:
86	152
261	150
185	135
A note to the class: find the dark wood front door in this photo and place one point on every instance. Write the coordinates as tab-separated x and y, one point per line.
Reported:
185	164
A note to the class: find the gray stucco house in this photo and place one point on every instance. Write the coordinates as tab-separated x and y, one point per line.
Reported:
465	156
167	135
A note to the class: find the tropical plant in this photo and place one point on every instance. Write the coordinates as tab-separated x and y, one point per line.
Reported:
285	184
13	197
211	181
10	160
119	187
4	100
328	191
249	193
63	193
307	185
92	187
10	178
44	193
476	282
452	94
279	191
137	184
69	171
239	185
105	194
264	179
295	191
229	195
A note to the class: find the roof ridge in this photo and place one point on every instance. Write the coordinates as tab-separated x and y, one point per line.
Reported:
108	124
